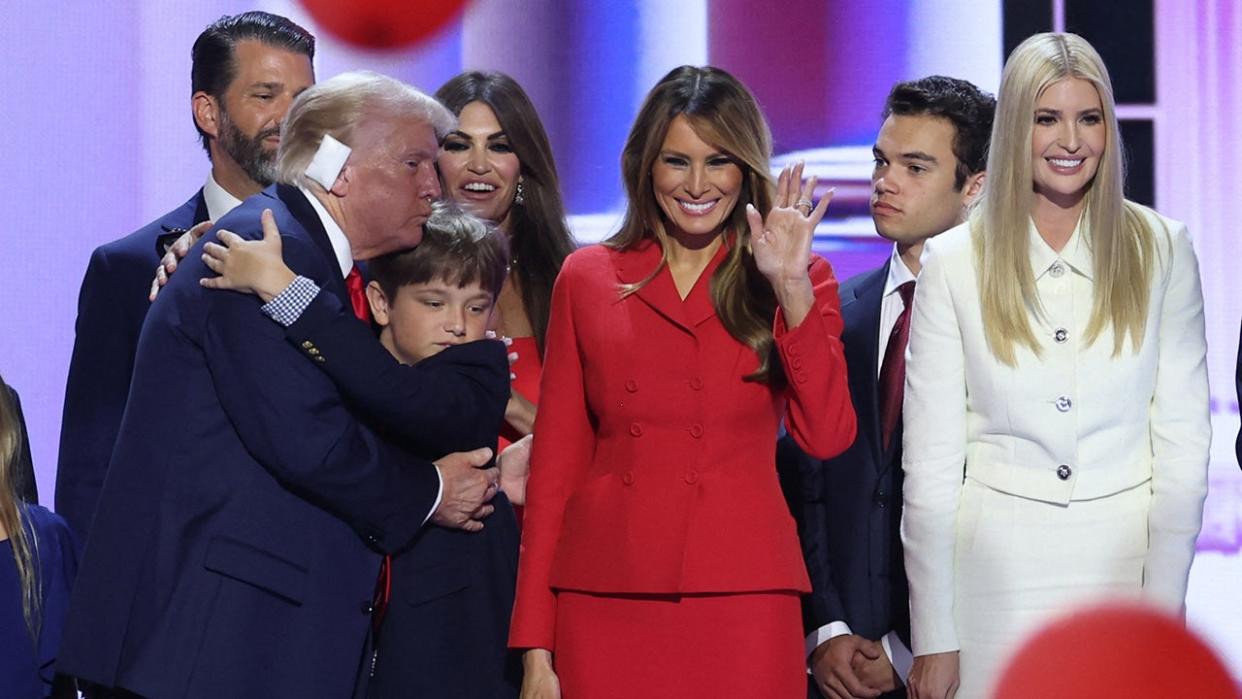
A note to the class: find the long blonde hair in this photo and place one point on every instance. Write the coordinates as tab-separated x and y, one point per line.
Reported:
25	547
1120	239
723	113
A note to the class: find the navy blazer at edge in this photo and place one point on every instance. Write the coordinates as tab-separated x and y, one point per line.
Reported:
227	555
111	307
849	507
446	627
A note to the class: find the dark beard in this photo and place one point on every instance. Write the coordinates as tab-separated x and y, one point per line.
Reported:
249	154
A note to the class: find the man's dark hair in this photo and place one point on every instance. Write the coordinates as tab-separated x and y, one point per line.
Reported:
968	108
457	248
212	61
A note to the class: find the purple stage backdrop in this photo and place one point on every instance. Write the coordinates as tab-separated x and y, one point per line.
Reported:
96	132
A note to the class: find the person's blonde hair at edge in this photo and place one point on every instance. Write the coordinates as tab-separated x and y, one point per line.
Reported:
723	113
24	546
1118	235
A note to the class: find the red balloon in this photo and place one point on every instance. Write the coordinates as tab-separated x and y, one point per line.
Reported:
1116	651
382	24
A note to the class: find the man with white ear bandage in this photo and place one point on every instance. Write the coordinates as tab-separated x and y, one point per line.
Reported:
238	539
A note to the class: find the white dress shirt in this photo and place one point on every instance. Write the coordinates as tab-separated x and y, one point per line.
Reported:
1075	423
219	202
891	307
336	236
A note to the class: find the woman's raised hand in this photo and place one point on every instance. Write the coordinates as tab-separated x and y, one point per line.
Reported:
781	240
248	266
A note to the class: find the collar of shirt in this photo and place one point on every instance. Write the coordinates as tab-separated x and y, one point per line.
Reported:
898	272
1076	253
336	236
219	201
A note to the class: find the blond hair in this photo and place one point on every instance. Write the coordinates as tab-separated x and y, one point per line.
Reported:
22	542
1120	239
339	107
723	113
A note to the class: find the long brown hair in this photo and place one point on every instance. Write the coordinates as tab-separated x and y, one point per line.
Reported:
539	238
1121	241
723	113
24	545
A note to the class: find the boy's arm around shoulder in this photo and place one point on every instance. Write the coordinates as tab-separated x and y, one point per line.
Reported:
436	401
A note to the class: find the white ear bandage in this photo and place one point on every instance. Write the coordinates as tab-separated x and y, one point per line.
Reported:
328	161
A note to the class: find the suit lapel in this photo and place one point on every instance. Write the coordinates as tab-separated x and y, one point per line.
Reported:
301	209
660	293
175	224
635	264
862	347
698	307
200	208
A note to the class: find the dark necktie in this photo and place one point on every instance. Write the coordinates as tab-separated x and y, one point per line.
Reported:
358	295
893	371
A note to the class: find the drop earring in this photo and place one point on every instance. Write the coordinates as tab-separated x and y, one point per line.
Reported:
518	199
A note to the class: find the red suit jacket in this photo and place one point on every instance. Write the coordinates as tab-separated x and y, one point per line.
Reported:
653	470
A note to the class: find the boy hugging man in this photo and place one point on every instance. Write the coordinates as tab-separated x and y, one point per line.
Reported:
446	624
434	385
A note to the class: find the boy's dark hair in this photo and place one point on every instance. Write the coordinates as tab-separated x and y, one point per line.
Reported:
968	108
212	64
457	248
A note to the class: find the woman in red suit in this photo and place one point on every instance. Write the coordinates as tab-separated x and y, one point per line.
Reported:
659	557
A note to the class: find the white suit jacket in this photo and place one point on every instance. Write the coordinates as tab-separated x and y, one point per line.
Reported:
1074	424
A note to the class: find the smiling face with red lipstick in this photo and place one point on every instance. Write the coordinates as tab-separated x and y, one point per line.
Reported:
479	167
696	184
1067	141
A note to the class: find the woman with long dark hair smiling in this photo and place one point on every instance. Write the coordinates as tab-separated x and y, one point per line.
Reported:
498	163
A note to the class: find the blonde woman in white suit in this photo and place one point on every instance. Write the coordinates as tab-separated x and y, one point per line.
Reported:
1057	355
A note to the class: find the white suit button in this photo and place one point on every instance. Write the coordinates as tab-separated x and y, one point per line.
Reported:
1061	335
1064	404
1064	472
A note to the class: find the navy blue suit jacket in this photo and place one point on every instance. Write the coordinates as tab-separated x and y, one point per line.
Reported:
237	540
849	507
111	308
446	629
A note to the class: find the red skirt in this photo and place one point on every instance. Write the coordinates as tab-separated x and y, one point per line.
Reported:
653	646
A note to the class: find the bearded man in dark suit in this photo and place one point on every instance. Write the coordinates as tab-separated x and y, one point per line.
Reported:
246	70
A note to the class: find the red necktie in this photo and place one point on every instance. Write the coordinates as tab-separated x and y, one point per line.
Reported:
893	371
358	295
